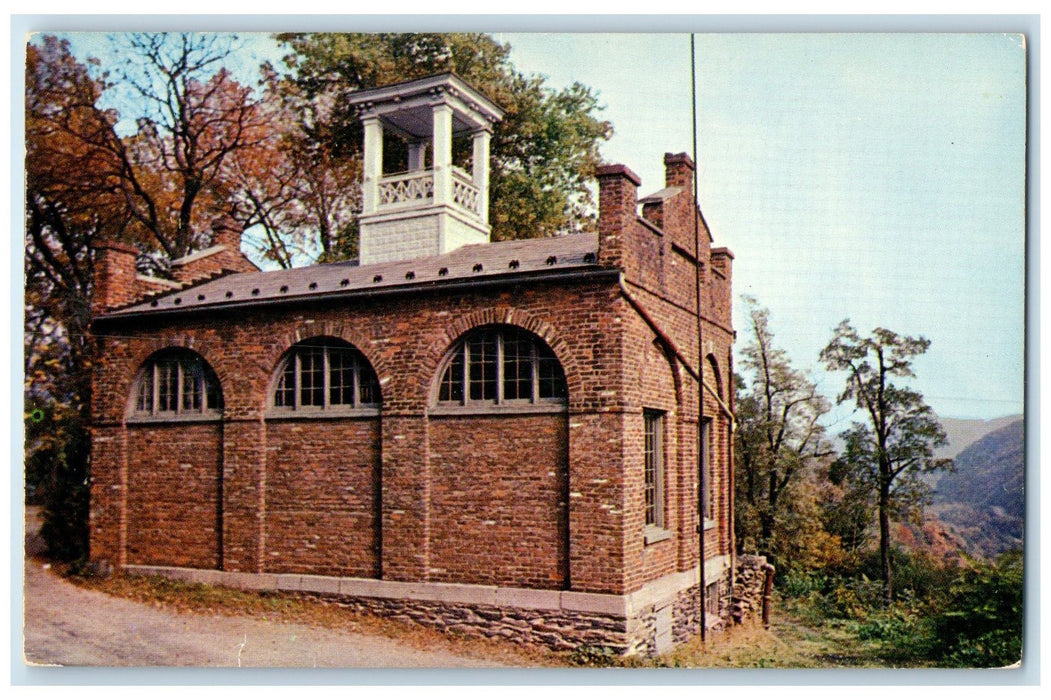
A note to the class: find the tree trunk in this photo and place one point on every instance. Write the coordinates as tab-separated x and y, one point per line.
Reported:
884	543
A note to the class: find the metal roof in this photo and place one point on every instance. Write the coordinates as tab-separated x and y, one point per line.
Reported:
480	262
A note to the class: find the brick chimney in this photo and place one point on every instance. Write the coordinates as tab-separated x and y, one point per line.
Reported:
115	277
678	171
223	257
722	260
227	232
617	211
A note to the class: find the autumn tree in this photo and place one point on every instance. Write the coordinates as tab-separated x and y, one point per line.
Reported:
779	442
192	116
73	199
893	446
300	194
86	182
544	153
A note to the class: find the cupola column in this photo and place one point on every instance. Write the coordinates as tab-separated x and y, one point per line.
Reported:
443	154
480	171
417	149
373	164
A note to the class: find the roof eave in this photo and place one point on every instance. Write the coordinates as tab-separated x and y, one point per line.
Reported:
567	274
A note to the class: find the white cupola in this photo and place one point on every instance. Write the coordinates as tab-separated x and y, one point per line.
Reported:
420	211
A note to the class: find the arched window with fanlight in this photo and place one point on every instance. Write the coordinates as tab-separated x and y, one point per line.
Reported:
324	374
501	366
176	383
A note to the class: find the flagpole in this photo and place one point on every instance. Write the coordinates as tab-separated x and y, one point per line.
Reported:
702	593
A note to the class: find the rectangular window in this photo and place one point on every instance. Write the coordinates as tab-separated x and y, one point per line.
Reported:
312	377
705	468
482	366
654	467
518	367
191	387
167	385
712	594
341	378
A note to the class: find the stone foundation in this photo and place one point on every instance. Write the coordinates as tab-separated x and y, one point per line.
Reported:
650	621
558	630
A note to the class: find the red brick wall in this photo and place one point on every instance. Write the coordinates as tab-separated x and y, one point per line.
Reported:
322	490
498	498
173	494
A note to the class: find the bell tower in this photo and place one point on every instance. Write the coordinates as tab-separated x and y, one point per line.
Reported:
420	211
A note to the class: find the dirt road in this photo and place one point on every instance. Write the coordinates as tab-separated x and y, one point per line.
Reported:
67	625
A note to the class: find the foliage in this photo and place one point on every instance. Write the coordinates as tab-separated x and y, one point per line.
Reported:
292	185
847	508
886	455
193	118
57	449
969	617
779	442
71	202
543	153
981	623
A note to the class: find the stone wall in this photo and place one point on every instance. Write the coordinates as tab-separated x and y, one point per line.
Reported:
750	580
557	630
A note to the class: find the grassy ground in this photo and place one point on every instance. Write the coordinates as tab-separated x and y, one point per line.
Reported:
794	640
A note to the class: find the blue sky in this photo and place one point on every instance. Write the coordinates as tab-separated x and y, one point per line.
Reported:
878	177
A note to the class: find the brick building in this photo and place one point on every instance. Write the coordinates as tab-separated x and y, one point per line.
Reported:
498	438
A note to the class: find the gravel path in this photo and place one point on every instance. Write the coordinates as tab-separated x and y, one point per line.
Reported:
70	626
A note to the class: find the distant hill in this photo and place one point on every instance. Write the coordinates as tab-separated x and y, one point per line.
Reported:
963	432
984	499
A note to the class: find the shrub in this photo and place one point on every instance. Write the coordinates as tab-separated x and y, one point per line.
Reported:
980	623
57	454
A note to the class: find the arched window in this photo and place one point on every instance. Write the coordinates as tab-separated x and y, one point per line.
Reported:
177	382
501	366
324	374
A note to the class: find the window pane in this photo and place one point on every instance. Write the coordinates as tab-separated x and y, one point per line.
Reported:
167	378
144	402
705	468
286	386
213	396
518	366
451	388
192	383
654	467
311	377
341	377
551	379
368	385
481	360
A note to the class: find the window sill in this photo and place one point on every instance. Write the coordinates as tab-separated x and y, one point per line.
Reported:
653	534
709	524
488	409
321	413
145	419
